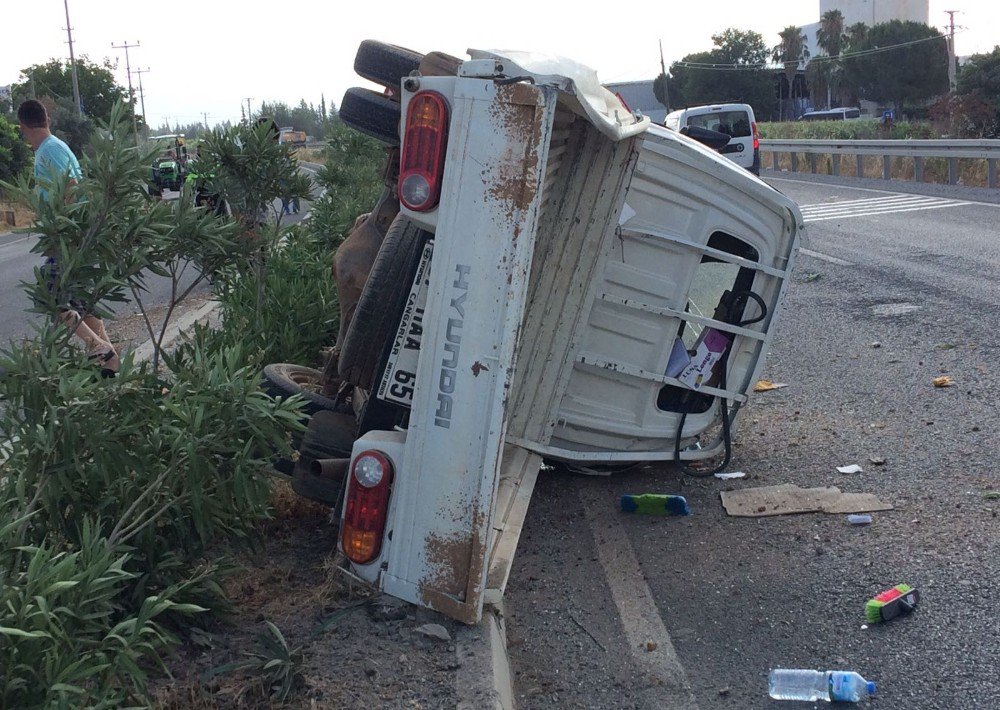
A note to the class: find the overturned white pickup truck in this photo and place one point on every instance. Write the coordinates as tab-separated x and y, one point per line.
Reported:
579	285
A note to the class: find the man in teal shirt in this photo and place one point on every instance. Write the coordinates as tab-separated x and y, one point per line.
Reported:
54	161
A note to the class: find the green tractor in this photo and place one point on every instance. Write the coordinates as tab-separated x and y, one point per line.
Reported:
168	168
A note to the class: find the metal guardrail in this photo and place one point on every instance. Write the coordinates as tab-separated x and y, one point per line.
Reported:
917	150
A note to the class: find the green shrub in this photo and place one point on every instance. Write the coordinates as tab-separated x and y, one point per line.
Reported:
352	180
865	129
296	314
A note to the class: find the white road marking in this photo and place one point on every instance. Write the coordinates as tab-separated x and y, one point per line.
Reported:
825	257
636	608
876	212
872	190
893	204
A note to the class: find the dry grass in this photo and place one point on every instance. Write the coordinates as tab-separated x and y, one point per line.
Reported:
971	172
310	155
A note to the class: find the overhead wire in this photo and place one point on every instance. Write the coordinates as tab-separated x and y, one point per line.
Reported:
737	66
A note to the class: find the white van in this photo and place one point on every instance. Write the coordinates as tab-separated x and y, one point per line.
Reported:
735	120
833	114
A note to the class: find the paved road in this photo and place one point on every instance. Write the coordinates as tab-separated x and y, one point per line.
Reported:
726	599
17	262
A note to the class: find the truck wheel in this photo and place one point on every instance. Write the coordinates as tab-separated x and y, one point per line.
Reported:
283	380
329	436
324	487
371	113
385	64
381	304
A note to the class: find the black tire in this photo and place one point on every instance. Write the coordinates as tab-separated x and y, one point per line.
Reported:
328	436
381	304
385	64
321	489
371	113
282	379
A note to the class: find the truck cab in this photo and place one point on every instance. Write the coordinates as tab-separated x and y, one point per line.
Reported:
584	287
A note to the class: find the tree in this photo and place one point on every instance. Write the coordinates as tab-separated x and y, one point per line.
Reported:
978	93
897	63
14	153
98	89
831	38
791	51
734	70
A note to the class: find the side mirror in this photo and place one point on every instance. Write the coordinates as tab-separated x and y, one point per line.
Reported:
713	139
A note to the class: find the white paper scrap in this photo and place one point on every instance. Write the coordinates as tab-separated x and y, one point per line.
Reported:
727	476
853	468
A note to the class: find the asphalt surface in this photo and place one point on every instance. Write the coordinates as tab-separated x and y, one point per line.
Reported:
17	263
890	294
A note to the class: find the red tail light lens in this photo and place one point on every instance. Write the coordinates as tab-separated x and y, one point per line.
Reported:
756	136
367	507
425	140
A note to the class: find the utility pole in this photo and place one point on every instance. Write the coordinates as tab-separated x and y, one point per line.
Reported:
131	94
951	48
142	96
249	110
204	115
72	62
666	83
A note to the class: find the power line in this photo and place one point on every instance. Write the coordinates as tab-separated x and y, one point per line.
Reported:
817	58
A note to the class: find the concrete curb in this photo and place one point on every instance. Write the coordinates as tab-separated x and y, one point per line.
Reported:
175	330
484	678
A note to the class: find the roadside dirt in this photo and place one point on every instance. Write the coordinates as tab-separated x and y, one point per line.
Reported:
358	649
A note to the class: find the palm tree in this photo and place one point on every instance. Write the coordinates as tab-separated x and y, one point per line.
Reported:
831	36
831	39
791	52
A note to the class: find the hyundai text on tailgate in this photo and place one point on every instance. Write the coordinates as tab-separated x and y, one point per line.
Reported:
579	286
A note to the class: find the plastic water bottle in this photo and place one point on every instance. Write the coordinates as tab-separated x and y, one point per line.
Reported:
836	686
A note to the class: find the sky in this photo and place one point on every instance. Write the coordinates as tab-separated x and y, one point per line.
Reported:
208	57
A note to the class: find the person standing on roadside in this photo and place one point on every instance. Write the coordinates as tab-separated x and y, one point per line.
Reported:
54	161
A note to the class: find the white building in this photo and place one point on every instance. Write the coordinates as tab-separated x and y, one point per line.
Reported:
872	12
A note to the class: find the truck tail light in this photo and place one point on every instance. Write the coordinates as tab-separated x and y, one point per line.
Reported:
756	136
425	140
367	506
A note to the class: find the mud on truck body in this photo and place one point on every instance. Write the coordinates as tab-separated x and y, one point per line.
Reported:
564	281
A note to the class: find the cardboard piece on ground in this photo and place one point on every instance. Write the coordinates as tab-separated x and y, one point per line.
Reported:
785	499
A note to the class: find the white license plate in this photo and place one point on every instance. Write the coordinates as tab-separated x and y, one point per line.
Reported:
401	368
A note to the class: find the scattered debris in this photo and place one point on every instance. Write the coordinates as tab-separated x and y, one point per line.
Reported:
876	344
945	346
943	381
876	460
785	499
728	476
725	691
891	603
767	386
852	468
812	276
859	519
434	631
991	495
655	504
651	646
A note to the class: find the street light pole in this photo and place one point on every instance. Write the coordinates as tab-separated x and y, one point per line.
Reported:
72	62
